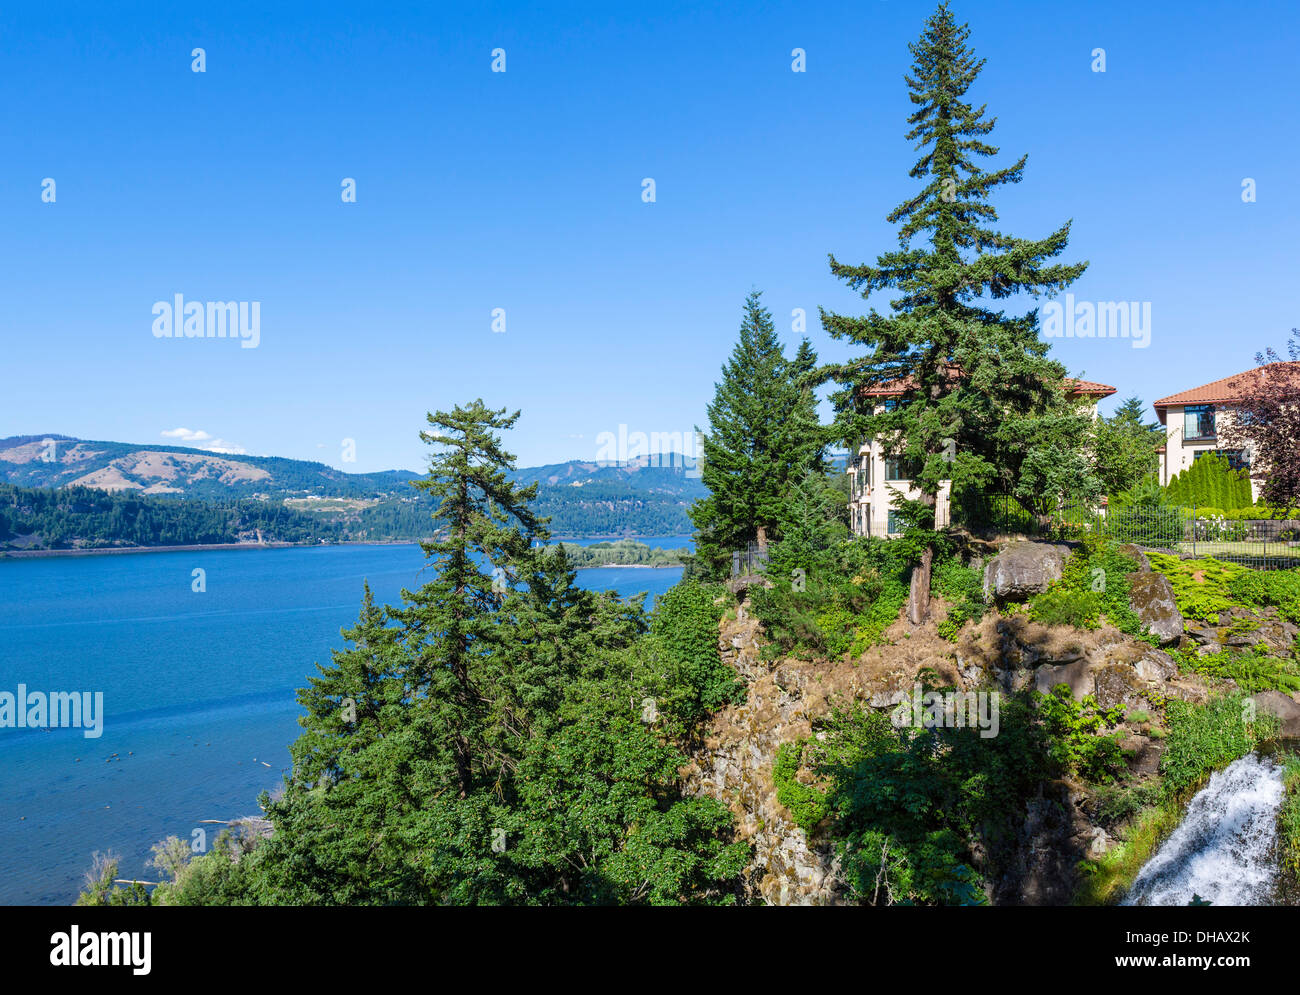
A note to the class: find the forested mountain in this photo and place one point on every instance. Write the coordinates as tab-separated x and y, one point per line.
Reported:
62	461
72	493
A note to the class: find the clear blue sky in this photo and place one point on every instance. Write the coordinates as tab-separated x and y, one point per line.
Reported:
522	190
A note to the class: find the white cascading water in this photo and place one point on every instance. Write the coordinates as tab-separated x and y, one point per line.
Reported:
1224	848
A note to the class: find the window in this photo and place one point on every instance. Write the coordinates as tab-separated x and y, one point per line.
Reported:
900	469
896	522
1198	421
1236	458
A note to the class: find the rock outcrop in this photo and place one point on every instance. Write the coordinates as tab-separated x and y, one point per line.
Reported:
1023	569
1152	597
789	699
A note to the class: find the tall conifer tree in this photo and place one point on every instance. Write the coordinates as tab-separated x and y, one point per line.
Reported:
976	380
763	439
484	536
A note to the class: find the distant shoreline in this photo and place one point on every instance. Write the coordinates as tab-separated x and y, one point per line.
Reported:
35	554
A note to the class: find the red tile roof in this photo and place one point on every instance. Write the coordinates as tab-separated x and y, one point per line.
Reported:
1232	388
1079	388
1224	391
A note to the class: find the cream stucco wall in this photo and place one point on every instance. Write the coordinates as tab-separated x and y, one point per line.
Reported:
1181	452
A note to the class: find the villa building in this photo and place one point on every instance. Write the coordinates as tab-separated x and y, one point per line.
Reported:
1196	420
875	478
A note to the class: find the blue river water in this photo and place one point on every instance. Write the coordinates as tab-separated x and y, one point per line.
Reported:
198	689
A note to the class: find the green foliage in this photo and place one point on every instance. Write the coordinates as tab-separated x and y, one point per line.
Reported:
85	518
1288	818
1117	803
805	802
1075	742
1253	670
622	552
100	889
1125	448
1095	583
1066	606
963	588
906	805
685	624
1143	492
1259	588
839	601
1205	738
1210	482
981	401
494	738
1202	588
763	441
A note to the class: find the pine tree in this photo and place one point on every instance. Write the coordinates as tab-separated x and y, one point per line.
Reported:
974	379
763	439
484	536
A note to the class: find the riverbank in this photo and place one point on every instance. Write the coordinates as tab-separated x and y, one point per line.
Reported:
35	554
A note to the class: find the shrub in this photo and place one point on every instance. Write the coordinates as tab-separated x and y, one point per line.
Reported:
840	601
1253	671
1201	587
1075	742
1065	606
1205	738
1288	818
805	802
1210	482
963	588
1095	582
685	624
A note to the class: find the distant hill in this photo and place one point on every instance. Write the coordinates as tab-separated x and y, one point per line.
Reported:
582	498
62	461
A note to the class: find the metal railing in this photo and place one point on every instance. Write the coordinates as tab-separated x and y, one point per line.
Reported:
748	561
1260	543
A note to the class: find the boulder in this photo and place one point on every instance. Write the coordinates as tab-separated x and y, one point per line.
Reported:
1282	706
1023	569
1077	675
1118	684
1133	553
1152	597
1156	666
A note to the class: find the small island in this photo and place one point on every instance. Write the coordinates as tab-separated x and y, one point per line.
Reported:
622	553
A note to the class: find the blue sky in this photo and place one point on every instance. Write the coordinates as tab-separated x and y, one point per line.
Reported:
522	190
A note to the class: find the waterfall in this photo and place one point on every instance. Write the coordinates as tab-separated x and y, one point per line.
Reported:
1224	849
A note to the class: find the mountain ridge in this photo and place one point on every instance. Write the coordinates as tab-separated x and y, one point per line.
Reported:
645	496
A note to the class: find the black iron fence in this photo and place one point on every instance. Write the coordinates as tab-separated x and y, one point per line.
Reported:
1262	543
748	561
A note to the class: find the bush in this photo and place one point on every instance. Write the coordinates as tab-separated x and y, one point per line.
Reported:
685	624
1202	588
1210	482
838	602
1074	728
1288	818
1205	738
963	588
1252	671
1095	582
907	807
805	803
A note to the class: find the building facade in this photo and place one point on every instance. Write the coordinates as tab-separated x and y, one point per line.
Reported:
875	478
